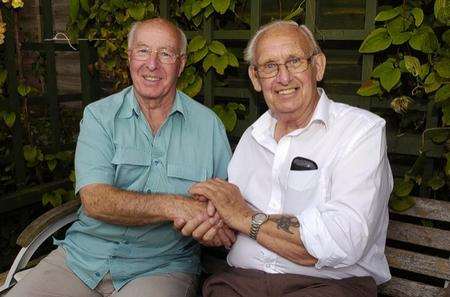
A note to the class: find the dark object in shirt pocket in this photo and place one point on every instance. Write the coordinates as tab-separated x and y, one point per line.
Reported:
301	164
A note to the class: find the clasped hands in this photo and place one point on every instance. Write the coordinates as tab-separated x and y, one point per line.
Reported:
226	212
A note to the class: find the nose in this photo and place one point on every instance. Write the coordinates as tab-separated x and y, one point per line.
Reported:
152	61
284	75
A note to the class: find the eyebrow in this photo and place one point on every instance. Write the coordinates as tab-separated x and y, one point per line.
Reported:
140	44
272	60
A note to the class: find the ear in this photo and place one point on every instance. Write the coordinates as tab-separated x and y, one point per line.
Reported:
254	78
182	64
319	64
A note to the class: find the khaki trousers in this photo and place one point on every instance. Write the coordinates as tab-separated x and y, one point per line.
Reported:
51	278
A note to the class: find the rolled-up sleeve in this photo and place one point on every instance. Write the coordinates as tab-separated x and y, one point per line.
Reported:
94	153
338	231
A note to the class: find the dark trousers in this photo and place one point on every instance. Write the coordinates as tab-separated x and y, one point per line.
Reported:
248	282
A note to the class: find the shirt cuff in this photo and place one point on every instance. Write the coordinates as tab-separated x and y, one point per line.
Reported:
318	241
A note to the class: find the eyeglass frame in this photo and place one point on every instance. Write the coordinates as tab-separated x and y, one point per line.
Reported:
308	60
132	56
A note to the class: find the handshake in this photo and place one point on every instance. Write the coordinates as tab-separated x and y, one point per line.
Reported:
220	211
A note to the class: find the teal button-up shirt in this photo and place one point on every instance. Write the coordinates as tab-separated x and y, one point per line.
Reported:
116	147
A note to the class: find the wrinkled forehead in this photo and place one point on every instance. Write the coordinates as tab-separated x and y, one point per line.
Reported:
157	34
280	43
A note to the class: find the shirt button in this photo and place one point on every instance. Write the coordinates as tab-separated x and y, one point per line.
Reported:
267	265
97	274
156	162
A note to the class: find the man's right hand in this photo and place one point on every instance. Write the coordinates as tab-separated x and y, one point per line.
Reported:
208	230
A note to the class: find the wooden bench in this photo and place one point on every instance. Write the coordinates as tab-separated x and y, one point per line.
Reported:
418	255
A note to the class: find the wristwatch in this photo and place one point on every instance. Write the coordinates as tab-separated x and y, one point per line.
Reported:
257	220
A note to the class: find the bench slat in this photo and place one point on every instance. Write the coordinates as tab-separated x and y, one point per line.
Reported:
420	235
399	287
426	208
422	264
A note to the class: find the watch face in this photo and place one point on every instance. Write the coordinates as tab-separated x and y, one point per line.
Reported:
260	217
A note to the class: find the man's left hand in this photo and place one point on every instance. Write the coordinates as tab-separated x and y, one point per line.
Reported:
228	201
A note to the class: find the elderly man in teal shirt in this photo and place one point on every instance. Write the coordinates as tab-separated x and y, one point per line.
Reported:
137	155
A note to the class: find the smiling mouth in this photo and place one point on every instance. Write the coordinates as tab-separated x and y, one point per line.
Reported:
151	78
286	91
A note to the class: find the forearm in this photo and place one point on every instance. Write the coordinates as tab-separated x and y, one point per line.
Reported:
121	207
281	235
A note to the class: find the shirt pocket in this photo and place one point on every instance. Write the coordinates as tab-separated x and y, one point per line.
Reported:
305	188
182	177
132	168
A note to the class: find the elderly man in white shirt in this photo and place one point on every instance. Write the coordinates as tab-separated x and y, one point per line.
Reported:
308	186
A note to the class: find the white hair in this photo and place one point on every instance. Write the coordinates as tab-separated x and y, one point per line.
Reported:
135	25
249	52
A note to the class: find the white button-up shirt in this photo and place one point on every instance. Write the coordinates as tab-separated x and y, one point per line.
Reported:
341	206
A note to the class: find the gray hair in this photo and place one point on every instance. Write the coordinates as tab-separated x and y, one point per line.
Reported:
249	52
135	25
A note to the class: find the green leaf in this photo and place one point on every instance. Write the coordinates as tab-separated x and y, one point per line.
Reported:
200	54
378	40
3	76
446	114
196	8
137	11
194	88
369	88
209	61
438	135
232	60
416	171
447	165
187	8
443	67
220	6
220	64
442	94
389	79
402	187
397	25
418	16
432	82
383	68
74	7
197	20
72	176
436	182
400	37
205	3
412	65
424	40
387	14
217	47
446	37
9	118
401	203
30	153
55	199
196	43
424	70
442	11
208	11
294	13
23	90
85	5
227	115
52	164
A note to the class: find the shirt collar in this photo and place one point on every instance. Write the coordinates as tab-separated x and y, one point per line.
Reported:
265	125
130	105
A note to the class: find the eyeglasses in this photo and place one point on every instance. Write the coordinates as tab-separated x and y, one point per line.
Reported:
293	65
165	56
